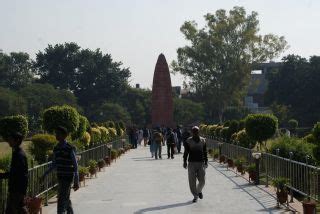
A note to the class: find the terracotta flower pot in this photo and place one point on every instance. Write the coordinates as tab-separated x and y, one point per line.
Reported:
82	177
230	163
101	165
215	156
107	160
309	207
252	176
240	169
34	204
282	196
222	159
93	172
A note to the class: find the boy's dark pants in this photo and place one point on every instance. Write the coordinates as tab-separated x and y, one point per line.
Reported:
16	204
170	150
64	190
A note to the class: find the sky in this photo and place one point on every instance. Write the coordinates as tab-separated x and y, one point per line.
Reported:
135	32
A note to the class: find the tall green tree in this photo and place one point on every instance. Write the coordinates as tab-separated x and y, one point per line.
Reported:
16	70
187	111
295	85
219	57
11	103
109	112
91	75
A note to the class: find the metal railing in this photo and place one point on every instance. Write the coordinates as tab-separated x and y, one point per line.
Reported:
303	178
34	174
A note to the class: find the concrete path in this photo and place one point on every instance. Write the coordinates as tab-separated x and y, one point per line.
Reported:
138	184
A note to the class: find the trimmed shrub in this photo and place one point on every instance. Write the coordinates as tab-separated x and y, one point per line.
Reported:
13	124
105	137
316	131
310	139
122	125
293	125
242	124
233	128
261	127
65	116
110	124
224	133
299	148
218	130
95	135
86	139
226	123
82	128
42	145
244	139
212	130
118	129
5	163
112	132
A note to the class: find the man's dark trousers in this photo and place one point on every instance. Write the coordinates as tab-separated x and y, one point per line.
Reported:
64	202
170	150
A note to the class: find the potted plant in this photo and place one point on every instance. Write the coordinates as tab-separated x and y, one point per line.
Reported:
281	187
230	163
239	164
83	172
222	158
107	160
34	204
121	151
215	154
251	169
309	206
114	154
101	164
93	168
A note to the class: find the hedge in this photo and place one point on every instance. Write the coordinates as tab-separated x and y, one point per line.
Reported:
13	124
95	135
261	127
42	145
65	116
105	136
83	126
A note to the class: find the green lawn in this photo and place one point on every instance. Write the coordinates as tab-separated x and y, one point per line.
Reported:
5	148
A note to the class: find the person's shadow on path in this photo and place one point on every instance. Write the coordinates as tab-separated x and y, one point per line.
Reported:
164	207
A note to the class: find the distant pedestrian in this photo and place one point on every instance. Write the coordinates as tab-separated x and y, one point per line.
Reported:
158	142
179	136
185	135
65	163
18	177
145	136
171	142
196	155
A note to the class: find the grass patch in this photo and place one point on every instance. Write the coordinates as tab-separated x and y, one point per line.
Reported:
5	149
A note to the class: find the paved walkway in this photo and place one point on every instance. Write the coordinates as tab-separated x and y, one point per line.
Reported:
138	184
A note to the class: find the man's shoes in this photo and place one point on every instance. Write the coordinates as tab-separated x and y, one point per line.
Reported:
200	195
195	200
172	157
160	157
168	157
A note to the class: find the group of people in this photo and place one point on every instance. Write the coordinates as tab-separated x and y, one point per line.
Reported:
65	163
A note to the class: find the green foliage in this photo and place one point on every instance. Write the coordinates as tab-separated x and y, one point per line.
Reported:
251	168
114	153
109	111
240	161
112	132
86	139
95	135
83	126
218	131
105	136
42	145
83	171
224	133
92	164
310	139
233	128
226	123
11	103
299	148
122	125
65	116
280	183
316	131
13	124
218	75
5	162
293	124
261	127
187	112
244	140
110	124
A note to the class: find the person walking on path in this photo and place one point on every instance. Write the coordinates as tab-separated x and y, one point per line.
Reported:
158	141
185	135
65	163
171	143
196	155
179	136
145	136
18	177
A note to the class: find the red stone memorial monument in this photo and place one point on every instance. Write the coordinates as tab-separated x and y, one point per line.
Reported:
162	102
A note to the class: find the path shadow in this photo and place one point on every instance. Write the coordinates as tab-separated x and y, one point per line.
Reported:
164	207
261	198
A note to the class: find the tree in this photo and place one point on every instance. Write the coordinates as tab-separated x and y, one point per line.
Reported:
11	103
219	58
109	111
187	111
41	96
91	75
293	85
16	70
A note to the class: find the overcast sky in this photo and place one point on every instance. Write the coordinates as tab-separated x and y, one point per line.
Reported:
137	31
